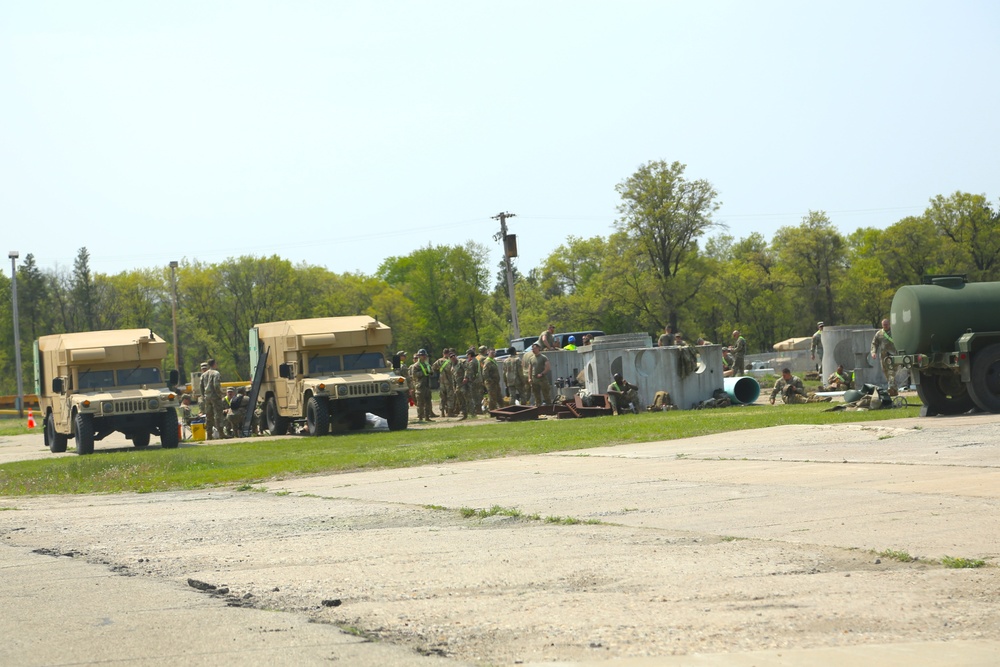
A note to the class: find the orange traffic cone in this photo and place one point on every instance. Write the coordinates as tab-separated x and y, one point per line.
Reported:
31	419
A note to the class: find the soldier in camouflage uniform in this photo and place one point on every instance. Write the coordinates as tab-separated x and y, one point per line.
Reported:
513	377
739	354
793	391
421	373
465	378
540	376
479	390
883	347
446	384
237	412
211	391
491	379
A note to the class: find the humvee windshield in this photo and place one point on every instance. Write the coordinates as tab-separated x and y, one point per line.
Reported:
324	365
139	376
97	379
363	360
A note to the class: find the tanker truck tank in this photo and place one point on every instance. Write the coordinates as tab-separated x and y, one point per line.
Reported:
931	318
947	332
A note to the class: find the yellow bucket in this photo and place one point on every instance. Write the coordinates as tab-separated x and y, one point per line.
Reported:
197	431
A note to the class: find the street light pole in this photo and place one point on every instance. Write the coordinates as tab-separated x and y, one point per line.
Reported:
173	286
13	254
509	250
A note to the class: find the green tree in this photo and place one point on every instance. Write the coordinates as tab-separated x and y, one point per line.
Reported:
33	298
813	258
973	226
448	288
664	215
223	301
84	293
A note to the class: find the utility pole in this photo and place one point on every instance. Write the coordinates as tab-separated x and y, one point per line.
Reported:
13	254
509	250
177	346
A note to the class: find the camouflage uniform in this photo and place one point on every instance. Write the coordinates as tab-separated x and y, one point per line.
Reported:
883	347
541	380
466	374
838	382
621	395
211	391
446	385
513	377
420	372
794	392
526	365
739	352
816	348
491	380
236	415
480	387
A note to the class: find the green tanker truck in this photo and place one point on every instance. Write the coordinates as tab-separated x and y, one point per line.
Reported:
947	333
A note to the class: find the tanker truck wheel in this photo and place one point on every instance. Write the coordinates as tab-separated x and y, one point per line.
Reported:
944	393
985	384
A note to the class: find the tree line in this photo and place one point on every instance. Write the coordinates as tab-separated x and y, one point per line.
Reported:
665	261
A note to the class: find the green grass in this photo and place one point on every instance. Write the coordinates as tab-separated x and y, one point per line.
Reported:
901	556
17	426
959	563
251	463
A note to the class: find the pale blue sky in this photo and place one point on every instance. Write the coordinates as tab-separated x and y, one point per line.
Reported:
339	133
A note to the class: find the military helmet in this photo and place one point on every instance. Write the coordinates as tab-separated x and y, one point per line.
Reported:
421	352
853	395
482	349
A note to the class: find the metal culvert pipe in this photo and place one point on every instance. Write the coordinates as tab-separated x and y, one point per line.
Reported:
741	390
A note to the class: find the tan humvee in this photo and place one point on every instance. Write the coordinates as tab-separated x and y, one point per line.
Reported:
328	370
94	383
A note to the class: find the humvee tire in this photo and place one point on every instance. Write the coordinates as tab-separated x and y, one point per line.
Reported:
276	424
398	415
84	433
140	439
317	416
56	442
169	438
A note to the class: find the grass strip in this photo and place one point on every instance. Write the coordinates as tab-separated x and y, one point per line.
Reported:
192	467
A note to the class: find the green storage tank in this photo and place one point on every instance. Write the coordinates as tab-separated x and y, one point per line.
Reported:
931	318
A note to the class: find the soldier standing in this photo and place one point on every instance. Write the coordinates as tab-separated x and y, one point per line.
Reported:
739	353
465	377
479	390
421	374
883	347
446	383
211	390
513	376
541	376
816	347
491	378
185	415
666	338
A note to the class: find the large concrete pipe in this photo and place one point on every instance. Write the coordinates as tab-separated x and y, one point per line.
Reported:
741	390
